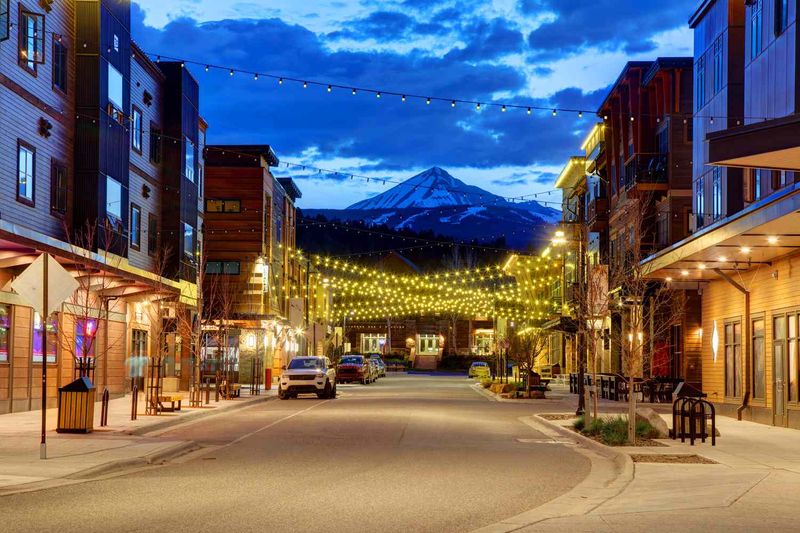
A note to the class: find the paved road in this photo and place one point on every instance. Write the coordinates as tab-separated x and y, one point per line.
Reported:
408	453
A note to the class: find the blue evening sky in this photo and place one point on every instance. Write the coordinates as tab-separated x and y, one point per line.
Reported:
554	53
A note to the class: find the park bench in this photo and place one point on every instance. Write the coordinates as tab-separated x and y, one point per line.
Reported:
172	399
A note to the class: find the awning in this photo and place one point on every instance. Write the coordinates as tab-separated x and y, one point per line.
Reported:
563	324
756	236
772	144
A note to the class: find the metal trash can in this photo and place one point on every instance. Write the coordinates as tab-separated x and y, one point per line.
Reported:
267	378
76	407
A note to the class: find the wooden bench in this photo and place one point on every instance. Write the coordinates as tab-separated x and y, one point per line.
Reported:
171	399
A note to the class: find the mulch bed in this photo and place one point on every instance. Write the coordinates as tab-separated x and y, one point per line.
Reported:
672	459
644	443
558	417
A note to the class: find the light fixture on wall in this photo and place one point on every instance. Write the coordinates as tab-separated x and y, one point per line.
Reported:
714	341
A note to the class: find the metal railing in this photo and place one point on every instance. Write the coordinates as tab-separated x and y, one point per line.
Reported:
645	168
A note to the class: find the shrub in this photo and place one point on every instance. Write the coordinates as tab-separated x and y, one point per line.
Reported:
613	430
486	383
579	424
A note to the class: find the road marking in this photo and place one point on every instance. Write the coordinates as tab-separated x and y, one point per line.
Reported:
275	423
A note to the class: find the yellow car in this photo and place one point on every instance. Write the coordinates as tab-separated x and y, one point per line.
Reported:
479	369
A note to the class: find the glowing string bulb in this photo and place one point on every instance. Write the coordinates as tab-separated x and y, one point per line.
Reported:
403	98
231	72
580	114
428	101
207	67
255	76
529	111
503	109
305	85
280	81
478	106
354	92
555	112
330	88
377	95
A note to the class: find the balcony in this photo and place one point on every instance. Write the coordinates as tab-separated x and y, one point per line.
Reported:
645	168
597	214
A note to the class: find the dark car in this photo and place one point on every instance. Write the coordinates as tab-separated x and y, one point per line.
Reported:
353	368
380	363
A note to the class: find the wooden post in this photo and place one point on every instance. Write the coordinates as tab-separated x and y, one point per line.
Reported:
43	445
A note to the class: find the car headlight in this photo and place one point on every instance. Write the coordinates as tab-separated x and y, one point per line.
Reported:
320	375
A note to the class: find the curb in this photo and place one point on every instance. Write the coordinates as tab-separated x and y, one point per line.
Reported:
156	457
194	416
611	472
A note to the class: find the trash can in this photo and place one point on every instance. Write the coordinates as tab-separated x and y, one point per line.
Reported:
76	407
267	378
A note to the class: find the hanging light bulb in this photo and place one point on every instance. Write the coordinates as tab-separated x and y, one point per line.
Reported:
428	101
207	67
503	109
478	106
403	98
529	111
453	103
330	88
255	76
555	112
280	81
354	92
378	94
305	85
231	72
580	114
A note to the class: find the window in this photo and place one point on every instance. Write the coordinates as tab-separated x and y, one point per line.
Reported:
733	359
428	344
85	333
155	144
781	16
60	64
136	129
662	140
700	91
372	342
152	234
719	72
700	202
757	184
759	360
716	193
136	227
756	23
223	206
39	338
115	88
26	172
113	199
31	40
137	362
188	163
793	354
58	188
229	268
188	241
5	326
5	21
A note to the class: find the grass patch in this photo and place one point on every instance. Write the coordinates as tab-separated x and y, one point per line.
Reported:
613	430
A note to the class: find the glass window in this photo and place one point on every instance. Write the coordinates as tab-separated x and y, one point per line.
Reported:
700	89
757	183
759	360
428	344
214	267
136	130
155	144
31	39
700	202
115	87
756	23
188	240
188	166
152	234
5	20
733	359
26	172
85	333
781	16
223	206
719	73
136	226
60	64
113	198
793	353
372	343
5	326
58	188
39	337
716	193
231	268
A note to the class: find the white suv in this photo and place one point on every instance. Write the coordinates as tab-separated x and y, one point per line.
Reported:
308	375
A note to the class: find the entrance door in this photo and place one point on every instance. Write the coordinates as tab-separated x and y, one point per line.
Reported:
780	364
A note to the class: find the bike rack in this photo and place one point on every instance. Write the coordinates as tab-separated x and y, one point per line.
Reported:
695	411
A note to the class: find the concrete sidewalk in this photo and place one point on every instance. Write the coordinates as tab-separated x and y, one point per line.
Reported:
123	444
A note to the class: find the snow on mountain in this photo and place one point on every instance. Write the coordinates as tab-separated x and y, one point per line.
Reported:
433	188
548	214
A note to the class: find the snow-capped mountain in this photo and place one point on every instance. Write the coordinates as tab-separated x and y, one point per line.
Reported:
436	201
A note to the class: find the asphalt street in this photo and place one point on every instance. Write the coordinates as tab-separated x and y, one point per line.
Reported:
408	453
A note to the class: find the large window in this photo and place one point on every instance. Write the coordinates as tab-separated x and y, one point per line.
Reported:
31	40
188	163
700	202
136	129
58	188
113	199
372	343
5	327
756	25
759	360
758	183
152	234
229	268
428	344
39	337
155	144
781	16
700	87
4	19
719	72
85	334
716	193
733	359
115	100
26	172
188	241
136	226
60	64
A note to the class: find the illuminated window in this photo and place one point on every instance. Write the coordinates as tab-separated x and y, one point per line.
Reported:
113	199
716	193
136	129
5	325
188	163
115	88
31	40
188	241
136	226
39	338
85	334
26	172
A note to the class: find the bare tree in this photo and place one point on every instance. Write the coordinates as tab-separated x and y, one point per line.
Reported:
527	346
458	260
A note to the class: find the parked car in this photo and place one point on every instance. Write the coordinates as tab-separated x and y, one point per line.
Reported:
479	369
354	368
308	375
381	365
375	369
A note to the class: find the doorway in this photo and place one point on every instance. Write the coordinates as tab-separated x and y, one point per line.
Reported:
780	366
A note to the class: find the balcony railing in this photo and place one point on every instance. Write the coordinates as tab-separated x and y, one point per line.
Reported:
596	211
645	168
